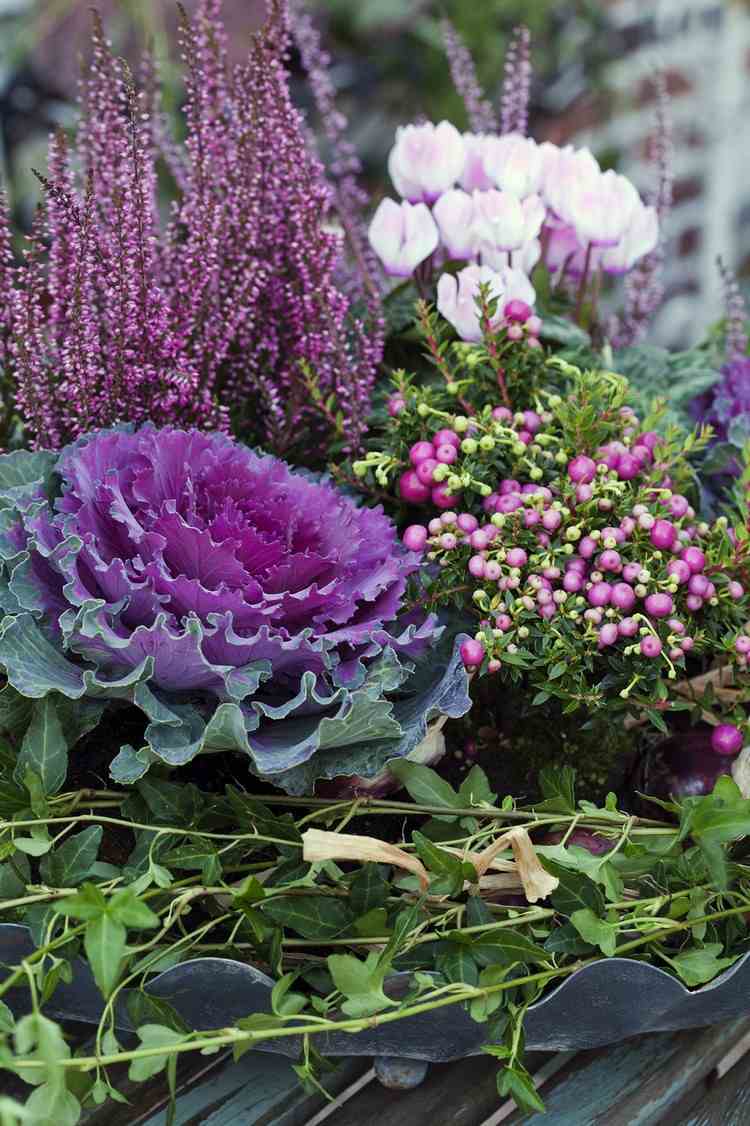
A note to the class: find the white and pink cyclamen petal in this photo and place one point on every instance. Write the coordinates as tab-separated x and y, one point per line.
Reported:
496	202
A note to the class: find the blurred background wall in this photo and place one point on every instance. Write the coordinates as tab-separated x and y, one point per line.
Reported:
594	66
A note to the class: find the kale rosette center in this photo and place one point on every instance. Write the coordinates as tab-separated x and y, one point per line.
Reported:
239	604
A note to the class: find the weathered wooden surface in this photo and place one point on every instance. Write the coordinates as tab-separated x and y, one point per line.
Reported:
695	1078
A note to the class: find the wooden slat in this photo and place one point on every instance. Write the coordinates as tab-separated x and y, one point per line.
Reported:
636	1083
727	1102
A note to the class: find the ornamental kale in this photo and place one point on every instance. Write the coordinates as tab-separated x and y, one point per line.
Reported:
237	604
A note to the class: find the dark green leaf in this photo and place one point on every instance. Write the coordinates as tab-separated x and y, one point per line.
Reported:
475	788
505	947
424	785
457	964
558	790
145	1009
312	916
368	889
44	749
566	940
104	943
71	863
575	891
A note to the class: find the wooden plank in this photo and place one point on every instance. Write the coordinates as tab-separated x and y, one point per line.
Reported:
453	1094
638	1082
727	1102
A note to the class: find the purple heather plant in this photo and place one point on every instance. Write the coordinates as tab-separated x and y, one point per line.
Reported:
237	604
231	310
726	405
514	104
480	112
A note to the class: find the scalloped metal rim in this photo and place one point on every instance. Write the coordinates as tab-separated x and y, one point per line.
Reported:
599	1004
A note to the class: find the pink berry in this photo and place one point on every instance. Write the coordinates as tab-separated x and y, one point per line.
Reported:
531	517
678	505
446	438
694	558
411	488
679	570
446	454
533	325
420	451
425	470
515	332
503	622
517	310
441	498
478	540
650	646
584	493
686	644
516	557
577	564
593	615
650	439
502	414
663	535
659	605
627	526
609	560
531	421
467	522
608	635
476	566
628	627
587	547
509	485
551	520
735	590
572	582
435	526
492	570
525	436
547	611
508	503
676	625
623	597
693	602
582	470
698	584
448	541
742	644
631	571
415	537
395	405
726	739
642	454
629	467
472	653
599	594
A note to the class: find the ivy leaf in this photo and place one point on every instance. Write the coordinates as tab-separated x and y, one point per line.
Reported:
698	966
373	924
478	913
557	785
153	1036
475	788
574	892
595	931
505	947
516	1083
44	749
71	863
311	916
7	1020
566	940
360	982
284	1002
424	785
145	1009
126	908
447	868
104	943
368	889
457	964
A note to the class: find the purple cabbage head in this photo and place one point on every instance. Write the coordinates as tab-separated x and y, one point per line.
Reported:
238	604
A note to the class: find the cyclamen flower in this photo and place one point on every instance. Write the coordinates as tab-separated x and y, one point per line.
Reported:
514	163
457	297
426	160
601	208
454	213
474	175
502	222
640	237
403	235
237	604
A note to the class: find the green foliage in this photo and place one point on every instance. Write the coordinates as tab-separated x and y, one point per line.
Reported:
226	873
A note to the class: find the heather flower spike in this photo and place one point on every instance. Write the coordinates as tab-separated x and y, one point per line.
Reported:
238	605
481	115
736	314
514	104
234	305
